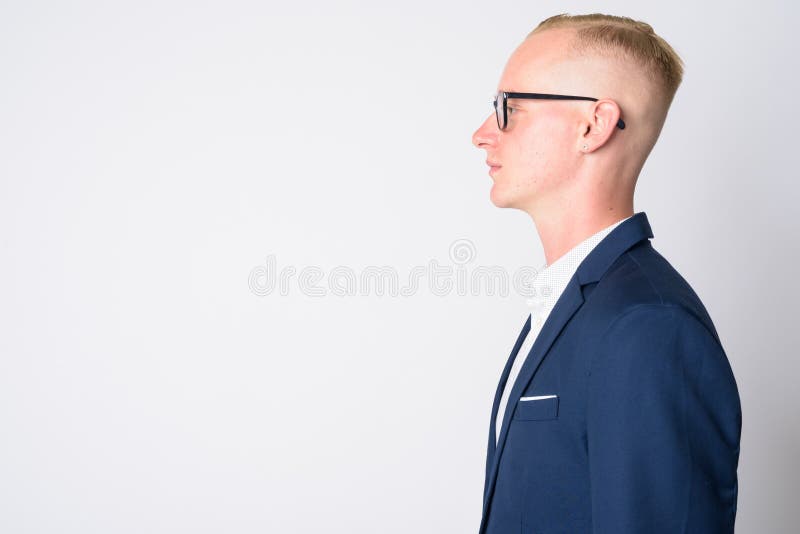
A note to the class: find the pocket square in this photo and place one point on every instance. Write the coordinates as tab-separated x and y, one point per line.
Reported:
537	408
540	397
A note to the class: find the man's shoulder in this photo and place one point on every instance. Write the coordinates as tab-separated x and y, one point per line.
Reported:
641	279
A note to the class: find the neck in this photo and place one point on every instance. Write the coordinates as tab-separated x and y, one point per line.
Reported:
562	230
596	196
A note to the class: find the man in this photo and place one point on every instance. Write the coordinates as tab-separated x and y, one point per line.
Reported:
617	411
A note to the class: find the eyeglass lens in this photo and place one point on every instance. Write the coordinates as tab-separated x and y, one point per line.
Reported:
500	110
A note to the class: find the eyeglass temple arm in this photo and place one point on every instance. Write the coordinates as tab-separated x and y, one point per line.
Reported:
544	96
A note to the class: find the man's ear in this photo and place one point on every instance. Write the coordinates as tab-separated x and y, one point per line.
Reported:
602	121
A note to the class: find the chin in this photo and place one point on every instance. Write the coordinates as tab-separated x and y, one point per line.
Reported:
501	198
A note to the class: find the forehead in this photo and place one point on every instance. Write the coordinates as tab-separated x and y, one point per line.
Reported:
540	62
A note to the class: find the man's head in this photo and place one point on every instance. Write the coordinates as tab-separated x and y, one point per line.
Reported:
561	154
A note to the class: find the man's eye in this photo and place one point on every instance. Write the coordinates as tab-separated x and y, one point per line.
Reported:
510	109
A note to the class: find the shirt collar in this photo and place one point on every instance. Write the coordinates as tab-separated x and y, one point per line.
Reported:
551	280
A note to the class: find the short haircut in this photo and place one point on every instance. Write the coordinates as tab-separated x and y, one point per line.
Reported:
624	38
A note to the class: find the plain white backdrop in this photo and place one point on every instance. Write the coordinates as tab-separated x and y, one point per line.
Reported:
155	155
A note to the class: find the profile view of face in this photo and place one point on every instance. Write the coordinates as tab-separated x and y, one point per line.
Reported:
530	161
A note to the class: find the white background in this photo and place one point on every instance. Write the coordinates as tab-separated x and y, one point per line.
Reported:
153	154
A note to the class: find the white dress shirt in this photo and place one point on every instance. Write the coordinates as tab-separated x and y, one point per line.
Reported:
547	287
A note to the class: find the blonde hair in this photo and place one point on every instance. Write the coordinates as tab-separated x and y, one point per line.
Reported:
625	38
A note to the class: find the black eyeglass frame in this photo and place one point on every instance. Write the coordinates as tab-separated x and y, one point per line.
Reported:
534	96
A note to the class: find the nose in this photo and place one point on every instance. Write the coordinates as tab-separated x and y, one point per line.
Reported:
486	134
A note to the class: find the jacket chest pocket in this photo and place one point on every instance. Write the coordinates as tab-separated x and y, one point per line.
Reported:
537	408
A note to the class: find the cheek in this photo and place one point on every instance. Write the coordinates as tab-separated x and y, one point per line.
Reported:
539	161
543	149
531	151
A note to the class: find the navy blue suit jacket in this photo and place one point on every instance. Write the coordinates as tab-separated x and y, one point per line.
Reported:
635	422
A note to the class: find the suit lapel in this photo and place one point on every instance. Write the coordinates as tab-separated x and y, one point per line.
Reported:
569	302
623	237
498	394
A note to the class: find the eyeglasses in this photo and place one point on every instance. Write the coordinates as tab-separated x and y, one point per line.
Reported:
501	107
